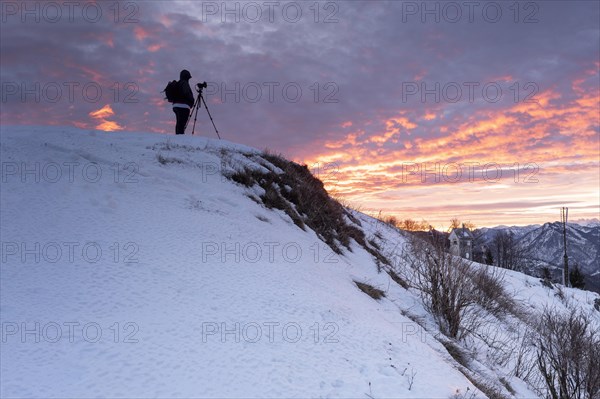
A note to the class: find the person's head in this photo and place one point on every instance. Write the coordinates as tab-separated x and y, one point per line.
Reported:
185	75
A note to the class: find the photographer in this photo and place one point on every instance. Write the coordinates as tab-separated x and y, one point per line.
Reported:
184	102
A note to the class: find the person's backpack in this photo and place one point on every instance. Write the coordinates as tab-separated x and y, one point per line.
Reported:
172	91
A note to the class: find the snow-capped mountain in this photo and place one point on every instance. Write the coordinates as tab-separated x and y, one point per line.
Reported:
487	234
588	222
583	245
142	265
544	246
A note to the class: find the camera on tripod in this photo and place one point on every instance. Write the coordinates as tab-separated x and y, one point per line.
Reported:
201	86
196	107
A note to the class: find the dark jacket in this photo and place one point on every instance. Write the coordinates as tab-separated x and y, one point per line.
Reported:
187	97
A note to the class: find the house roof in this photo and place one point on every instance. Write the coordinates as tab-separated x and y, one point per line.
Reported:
462	233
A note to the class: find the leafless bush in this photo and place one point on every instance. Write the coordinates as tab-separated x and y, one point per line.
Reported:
524	367
463	395
459	295
491	294
444	282
391	220
567	353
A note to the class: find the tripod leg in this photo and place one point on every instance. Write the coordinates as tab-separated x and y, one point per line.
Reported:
195	118
190	116
210	116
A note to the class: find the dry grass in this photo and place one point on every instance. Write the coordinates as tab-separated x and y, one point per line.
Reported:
399	280
371	291
304	199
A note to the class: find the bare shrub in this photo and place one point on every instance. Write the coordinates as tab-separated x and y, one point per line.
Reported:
391	220
444	282
459	295
413	225
567	353
463	395
491	294
524	367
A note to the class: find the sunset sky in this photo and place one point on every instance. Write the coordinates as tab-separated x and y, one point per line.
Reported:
484	111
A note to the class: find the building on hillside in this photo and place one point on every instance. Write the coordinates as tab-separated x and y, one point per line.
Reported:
461	242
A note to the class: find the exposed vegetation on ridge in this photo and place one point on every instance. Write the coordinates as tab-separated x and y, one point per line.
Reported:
293	189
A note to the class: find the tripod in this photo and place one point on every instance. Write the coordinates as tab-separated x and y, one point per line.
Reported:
197	104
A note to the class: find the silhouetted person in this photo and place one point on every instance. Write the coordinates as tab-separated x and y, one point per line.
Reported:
183	104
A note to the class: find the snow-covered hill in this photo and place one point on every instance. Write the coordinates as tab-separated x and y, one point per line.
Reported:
134	266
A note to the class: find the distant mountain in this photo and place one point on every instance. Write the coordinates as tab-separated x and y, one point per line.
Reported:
488	233
583	245
588	222
545	246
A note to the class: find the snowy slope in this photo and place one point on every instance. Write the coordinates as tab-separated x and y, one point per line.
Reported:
132	268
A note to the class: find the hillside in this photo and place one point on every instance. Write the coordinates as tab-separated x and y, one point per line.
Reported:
140	265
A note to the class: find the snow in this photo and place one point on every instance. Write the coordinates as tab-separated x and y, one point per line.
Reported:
122	276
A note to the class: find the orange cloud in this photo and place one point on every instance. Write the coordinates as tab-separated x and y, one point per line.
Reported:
155	47
95	76
140	33
101	115
109	126
103	112
393	126
548	152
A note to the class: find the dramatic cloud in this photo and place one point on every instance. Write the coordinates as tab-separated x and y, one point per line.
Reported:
104	124
427	110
